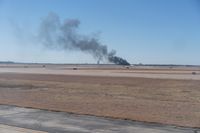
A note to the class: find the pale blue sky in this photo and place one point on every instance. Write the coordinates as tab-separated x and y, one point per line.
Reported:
146	31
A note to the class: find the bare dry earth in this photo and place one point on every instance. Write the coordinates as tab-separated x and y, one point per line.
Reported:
167	101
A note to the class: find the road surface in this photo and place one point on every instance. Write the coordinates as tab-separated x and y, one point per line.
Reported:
25	120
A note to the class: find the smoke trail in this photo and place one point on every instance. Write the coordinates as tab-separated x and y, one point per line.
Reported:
54	34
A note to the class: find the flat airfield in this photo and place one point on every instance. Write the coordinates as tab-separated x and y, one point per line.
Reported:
166	95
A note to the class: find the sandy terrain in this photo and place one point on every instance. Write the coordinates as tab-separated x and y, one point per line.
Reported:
117	93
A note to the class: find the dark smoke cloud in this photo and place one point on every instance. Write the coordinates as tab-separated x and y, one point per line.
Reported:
63	35
117	60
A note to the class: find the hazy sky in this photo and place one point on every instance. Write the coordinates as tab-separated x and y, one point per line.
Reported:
142	31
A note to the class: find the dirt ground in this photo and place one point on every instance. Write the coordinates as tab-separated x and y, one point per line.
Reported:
166	101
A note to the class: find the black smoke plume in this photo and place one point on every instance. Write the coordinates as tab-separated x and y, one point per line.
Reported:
117	60
63	35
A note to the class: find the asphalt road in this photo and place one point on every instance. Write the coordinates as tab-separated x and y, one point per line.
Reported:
61	122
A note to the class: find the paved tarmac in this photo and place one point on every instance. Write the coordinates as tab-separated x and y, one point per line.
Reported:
25	120
186	75
12	129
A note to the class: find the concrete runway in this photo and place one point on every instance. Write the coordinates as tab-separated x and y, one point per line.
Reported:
12	129
185	74
25	120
